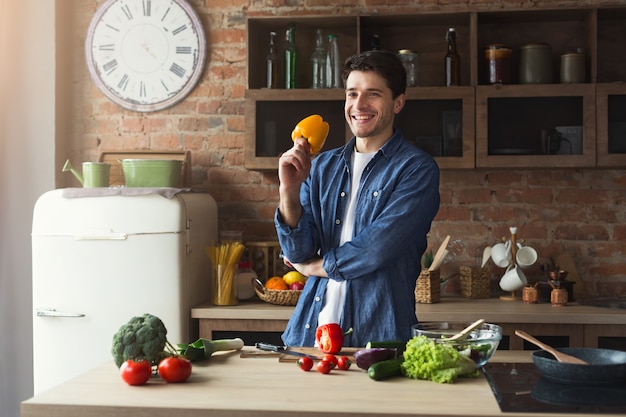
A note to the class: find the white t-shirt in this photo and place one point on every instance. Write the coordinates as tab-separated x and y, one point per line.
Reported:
336	290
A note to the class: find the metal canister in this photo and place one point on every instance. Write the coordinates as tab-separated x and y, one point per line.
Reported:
535	64
573	68
409	60
498	59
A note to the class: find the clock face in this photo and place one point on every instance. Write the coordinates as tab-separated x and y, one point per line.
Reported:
145	55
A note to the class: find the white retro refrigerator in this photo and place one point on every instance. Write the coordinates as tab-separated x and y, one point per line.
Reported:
98	261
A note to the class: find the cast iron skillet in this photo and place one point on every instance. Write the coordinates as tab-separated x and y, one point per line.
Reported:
605	366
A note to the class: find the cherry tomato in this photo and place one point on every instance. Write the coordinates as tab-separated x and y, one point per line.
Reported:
332	359
343	363
305	363
136	372
175	369
323	367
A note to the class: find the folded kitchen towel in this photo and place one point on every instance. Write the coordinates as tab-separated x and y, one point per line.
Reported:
125	191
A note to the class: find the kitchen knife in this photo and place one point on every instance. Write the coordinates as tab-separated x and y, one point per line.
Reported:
282	349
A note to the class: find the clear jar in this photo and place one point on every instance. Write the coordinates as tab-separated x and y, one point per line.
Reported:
498	59
245	278
409	60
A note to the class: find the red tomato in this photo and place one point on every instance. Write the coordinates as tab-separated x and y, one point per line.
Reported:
332	359
305	363
343	363
323	367
175	369
136	372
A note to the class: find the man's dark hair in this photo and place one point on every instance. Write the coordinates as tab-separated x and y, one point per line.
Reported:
385	63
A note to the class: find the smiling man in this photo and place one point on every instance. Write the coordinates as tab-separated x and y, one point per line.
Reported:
355	218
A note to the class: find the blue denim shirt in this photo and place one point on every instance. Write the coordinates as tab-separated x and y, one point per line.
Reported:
398	199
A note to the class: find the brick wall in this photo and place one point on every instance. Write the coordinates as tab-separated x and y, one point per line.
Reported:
579	211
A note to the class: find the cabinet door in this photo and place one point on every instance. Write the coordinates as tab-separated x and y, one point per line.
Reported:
611	118
271	115
441	122
547	126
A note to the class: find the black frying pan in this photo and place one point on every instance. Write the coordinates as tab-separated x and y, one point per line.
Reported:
605	366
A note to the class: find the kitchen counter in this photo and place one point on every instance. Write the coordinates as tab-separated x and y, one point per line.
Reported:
230	385
582	326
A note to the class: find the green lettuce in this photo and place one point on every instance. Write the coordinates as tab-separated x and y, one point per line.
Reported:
438	362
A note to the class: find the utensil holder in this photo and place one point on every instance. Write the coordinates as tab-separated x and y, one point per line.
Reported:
428	287
474	282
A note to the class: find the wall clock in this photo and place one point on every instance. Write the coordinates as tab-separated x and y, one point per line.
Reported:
145	55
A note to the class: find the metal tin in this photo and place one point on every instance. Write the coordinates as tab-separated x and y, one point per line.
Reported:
535	64
498	59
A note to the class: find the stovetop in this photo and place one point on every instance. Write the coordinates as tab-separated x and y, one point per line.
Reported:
520	387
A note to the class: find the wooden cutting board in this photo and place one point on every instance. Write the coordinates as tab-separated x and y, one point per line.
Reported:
347	351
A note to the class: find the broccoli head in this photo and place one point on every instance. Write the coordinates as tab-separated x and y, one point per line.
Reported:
143	337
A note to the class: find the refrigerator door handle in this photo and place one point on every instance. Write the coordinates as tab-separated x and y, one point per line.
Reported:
51	312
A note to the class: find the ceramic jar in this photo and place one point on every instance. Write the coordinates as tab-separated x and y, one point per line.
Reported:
573	68
535	64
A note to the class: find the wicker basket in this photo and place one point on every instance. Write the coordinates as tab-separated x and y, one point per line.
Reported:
474	282
428	287
279	297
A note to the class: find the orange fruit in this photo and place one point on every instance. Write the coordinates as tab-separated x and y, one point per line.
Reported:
276	283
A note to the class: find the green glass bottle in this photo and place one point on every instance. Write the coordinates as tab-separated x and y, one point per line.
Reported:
291	60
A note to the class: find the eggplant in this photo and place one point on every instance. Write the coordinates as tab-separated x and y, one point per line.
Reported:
365	358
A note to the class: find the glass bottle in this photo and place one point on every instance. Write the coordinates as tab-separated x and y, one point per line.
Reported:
291	72
409	61
333	63
318	62
452	60
271	63
375	42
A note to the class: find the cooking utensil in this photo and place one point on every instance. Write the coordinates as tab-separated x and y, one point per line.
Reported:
486	256
560	356
463	333
282	349
440	255
605	366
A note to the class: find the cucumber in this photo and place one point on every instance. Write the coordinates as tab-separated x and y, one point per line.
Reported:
385	369
398	345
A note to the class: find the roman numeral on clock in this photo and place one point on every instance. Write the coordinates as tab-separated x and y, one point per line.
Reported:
147	7
177	69
123	82
179	29
110	66
127	12
183	49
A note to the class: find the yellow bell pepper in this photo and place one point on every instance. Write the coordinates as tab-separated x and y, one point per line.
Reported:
314	129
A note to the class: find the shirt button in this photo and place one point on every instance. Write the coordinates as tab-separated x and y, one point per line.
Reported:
318	299
343	194
337	221
375	193
307	326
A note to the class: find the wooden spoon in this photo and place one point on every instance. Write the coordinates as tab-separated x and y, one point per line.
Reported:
466	330
440	255
560	356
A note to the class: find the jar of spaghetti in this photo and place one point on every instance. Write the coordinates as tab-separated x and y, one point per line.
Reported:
498	59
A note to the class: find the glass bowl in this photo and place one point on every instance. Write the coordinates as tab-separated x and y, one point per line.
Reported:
480	343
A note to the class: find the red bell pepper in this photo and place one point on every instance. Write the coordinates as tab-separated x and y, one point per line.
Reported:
330	337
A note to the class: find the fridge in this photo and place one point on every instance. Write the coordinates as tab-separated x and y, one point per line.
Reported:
98	261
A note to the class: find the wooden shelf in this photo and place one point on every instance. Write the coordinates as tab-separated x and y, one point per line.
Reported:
501	125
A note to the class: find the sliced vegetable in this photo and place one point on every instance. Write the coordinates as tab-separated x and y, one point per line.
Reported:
385	369
314	129
329	338
203	348
365	358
